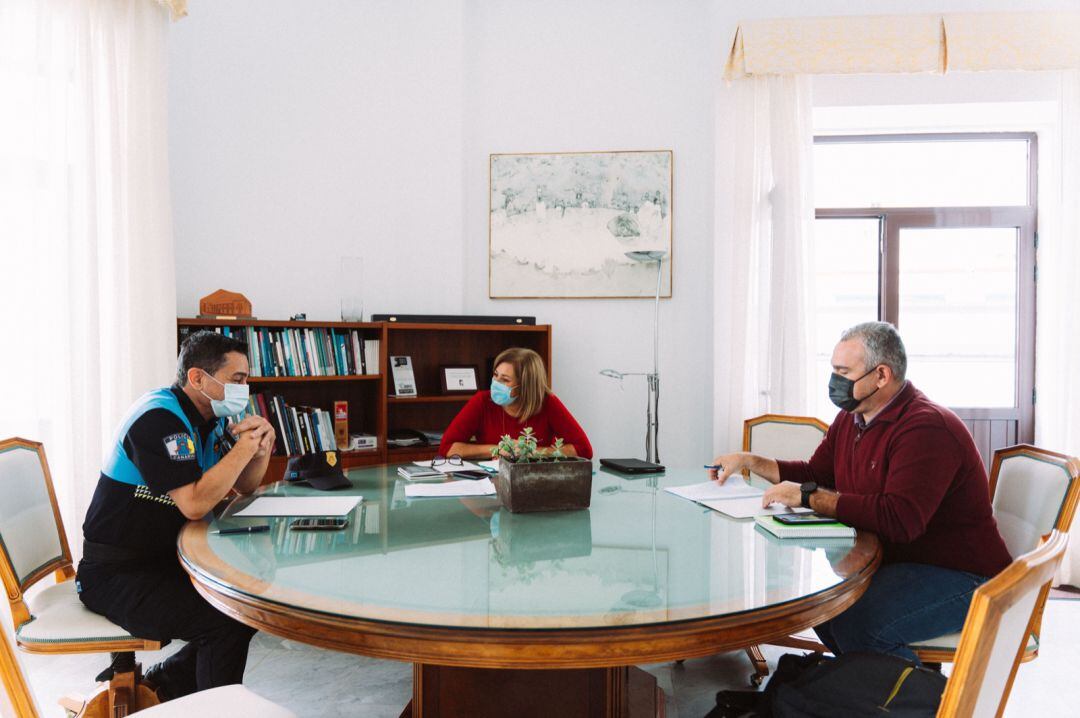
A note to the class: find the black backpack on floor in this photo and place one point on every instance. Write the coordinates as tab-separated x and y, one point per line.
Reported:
852	684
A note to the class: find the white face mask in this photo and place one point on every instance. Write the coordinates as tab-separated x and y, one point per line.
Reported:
235	401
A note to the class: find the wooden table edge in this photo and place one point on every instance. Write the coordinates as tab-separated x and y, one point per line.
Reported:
532	648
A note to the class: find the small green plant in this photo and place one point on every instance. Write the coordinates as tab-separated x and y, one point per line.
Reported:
523	449
556	450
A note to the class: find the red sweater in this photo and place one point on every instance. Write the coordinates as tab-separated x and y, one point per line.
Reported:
485	422
914	477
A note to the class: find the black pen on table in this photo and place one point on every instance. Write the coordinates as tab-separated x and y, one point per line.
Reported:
245	529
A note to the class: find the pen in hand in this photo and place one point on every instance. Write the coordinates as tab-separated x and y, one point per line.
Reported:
245	530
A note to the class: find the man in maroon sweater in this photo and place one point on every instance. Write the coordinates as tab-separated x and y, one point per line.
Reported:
897	464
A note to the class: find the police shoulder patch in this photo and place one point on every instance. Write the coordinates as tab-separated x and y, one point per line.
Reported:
180	447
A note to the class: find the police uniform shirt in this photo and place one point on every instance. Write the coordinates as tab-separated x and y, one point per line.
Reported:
145	518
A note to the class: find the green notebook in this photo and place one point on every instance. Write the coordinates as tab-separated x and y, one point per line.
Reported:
834	529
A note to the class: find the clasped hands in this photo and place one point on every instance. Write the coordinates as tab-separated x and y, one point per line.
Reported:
254	434
787	493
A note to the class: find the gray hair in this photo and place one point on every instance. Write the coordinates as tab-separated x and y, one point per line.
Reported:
883	345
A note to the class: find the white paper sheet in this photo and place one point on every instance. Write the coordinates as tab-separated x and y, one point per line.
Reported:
448	468
733	488
300	506
748	507
465	487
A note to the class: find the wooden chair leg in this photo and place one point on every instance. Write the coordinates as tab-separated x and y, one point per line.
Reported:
761	667
124	693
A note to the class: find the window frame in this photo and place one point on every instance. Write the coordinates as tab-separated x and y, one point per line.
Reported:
1022	217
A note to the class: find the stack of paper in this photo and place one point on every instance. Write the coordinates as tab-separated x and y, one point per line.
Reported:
467	487
734	498
300	506
447	468
715	491
419	473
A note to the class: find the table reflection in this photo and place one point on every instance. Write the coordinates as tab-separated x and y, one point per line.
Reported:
638	555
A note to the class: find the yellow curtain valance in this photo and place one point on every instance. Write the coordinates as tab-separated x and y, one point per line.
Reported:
177	8
905	44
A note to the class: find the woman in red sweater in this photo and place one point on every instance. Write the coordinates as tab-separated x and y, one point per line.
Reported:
519	397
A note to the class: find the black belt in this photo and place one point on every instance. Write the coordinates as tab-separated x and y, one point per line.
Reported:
108	553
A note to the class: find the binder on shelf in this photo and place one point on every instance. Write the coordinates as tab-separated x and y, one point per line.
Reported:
371	356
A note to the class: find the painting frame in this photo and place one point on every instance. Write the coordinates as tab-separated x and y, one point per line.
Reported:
662	193
446	379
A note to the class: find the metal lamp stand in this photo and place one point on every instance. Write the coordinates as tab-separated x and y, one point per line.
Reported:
652	416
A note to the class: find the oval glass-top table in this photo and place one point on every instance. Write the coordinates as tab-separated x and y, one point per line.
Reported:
526	614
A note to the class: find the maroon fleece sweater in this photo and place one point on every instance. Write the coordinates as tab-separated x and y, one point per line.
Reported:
914	477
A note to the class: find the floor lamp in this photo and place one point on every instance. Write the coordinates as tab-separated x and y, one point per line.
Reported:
652	453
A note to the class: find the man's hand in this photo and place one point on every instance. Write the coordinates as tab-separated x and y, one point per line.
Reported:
787	493
255	435
266	444
734	463
251	423
729	464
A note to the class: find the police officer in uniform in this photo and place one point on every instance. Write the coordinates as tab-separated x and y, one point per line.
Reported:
174	460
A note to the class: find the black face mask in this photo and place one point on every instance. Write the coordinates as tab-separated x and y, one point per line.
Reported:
842	391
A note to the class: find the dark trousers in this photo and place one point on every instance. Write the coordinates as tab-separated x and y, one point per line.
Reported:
159	604
905	603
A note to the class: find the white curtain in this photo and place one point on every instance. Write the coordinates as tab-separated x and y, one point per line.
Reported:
87	286
1057	410
764	357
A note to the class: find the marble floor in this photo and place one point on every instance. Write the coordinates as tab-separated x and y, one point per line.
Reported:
314	682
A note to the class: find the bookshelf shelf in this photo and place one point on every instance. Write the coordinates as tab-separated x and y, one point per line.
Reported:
371	409
335	377
449	399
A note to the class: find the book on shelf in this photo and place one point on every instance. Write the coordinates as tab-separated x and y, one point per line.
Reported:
299	429
303	351
404	380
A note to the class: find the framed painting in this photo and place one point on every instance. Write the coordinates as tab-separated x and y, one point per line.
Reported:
560	224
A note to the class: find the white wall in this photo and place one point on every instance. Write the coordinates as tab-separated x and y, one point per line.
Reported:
604	75
304	132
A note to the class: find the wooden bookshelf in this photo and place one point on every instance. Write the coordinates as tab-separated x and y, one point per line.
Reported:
462	398
371	408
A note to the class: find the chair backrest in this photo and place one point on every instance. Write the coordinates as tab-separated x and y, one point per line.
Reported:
32	539
778	436
1033	491
996	631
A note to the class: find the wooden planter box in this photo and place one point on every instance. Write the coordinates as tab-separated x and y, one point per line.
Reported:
545	486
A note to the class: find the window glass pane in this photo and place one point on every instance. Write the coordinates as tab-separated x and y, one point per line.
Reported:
846	291
954	173
958	312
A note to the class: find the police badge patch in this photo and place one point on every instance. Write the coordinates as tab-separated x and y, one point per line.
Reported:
180	447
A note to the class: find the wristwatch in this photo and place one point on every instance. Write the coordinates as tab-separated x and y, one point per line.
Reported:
807	488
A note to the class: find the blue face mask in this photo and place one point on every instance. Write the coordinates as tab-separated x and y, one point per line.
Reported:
500	393
235	401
